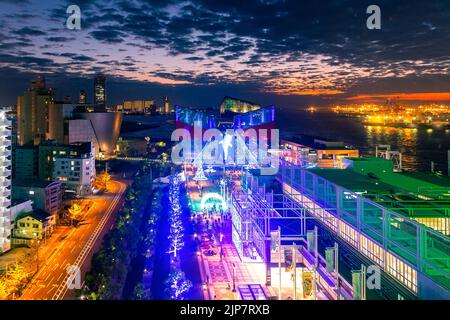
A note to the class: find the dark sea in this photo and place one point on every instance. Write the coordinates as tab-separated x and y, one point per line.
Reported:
418	146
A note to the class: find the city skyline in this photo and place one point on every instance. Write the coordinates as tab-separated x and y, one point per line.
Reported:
289	53
224	150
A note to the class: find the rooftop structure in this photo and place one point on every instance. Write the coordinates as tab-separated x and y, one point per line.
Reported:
235	105
375	210
244	115
318	152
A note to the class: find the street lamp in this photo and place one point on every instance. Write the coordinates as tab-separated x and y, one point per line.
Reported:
221	245
234	277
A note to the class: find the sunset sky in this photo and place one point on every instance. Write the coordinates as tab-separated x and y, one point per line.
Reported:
291	53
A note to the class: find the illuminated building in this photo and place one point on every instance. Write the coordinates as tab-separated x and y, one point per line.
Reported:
32	109
76	170
254	117
36	224
316	152
46	153
137	107
82	98
100	128
166	105
35	166
384	216
377	216
100	92
5	181
234	105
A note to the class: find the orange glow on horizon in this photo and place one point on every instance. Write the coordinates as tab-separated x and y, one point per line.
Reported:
317	92
427	96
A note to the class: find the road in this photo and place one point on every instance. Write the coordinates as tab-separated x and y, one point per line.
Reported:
74	247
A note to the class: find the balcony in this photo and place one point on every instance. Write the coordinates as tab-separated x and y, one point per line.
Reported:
5	202
5	162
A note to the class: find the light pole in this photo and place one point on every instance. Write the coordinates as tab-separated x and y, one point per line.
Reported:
221	245
234	277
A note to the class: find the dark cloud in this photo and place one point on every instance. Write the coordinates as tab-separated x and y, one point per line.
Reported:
30	31
263	45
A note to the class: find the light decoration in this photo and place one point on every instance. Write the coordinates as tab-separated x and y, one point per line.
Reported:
213	195
210	169
176	226
200	175
178	285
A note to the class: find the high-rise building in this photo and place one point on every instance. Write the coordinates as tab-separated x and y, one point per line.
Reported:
100	91
57	113
166	105
5	181
82	99
32	111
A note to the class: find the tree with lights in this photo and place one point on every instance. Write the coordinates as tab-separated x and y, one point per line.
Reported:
4	289
16	277
75	212
179	286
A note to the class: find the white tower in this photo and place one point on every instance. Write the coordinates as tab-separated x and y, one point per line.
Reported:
5	181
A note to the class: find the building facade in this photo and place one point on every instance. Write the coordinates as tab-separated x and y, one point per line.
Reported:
36	224
82	97
100	91
76	170
32	111
166	109
137	107
25	162
58	112
45	195
316	152
102	128
5	182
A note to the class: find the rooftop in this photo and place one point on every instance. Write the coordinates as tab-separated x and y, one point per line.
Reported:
33	183
37	214
318	143
412	194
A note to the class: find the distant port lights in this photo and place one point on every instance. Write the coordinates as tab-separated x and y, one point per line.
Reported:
397	115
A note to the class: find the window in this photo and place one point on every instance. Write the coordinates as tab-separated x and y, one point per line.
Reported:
402	272
371	250
348	233
35	225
